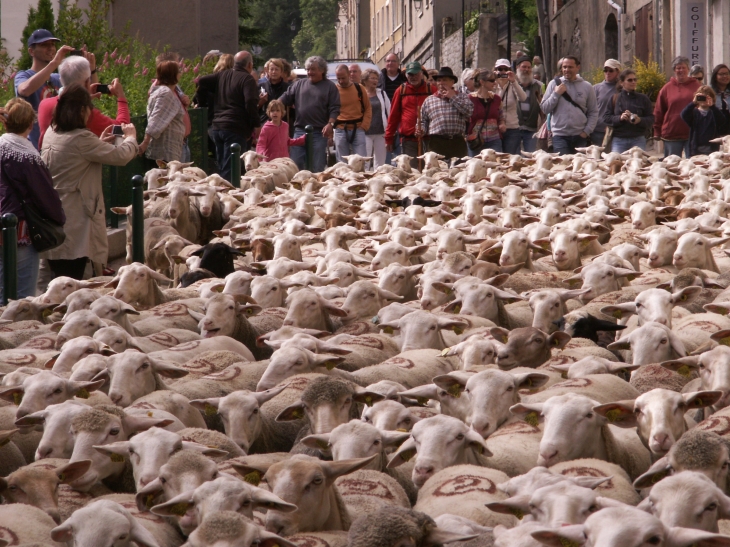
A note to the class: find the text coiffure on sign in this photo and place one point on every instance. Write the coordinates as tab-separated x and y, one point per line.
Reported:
696	33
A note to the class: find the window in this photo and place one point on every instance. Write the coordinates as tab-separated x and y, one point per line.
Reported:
395	14
410	13
387	21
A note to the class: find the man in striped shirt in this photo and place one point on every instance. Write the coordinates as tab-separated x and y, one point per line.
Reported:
444	117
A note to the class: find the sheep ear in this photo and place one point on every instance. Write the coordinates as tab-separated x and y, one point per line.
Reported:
518	506
264	396
439	536
530	380
658	470
174	507
367	397
560	537
558	339
590	482
336	469
291	413
453	385
406	451
141	536
619	311
82	389
394	438
422	394
318	442
620	413
147	497
686	295
721	337
530	413
13	394
72	471
167	369
195	315
113	283
266	500
135	424
120	448
57	326
688	537
205	450
269	539
63	533
701	399
624	344
684	366
476	442
499	334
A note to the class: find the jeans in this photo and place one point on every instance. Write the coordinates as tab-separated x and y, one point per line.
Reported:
319	145
376	149
73	268
597	138
676	148
513	138
186	151
28	262
566	144
397	150
622	144
223	141
347	143
495	145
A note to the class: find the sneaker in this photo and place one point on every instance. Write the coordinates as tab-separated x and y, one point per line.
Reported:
108	271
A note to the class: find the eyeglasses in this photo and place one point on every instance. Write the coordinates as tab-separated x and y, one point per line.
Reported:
630	80
490	80
699	78
606	69
503	69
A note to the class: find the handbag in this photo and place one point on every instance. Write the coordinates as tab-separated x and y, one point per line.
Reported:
608	138
476	143
45	234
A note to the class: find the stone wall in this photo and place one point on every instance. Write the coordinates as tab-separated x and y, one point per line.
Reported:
480	48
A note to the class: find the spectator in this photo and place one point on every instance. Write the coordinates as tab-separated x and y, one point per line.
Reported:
264	73
467	81
432	76
163	139
529	111
518	55
604	97
677	93
74	156
24	177
629	113
698	73
236	108
273	87
355	73
274	139
39	81
405	105
225	62
391	77
355	116
317	103
77	70
380	107
444	117
487	121
212	55
574	117
720	82
538	69
705	121
182	97
512	95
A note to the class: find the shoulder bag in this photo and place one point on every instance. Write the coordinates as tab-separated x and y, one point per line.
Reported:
45	234
476	143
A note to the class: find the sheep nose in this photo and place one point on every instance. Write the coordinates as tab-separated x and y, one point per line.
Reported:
21	413
653	257
548	456
677	257
637	225
288	322
424	470
115	397
560	254
660	439
144	481
44	452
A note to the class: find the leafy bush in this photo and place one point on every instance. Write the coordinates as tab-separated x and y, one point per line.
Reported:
650	78
594	76
37	18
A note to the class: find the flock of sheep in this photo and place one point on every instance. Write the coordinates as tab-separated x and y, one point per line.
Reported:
508	351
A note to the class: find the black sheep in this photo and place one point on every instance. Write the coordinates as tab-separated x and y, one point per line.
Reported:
217	258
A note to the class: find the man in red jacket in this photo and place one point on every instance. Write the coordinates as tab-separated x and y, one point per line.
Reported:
673	97
407	101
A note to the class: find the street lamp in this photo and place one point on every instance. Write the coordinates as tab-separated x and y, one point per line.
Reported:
418	4
293	25
337	23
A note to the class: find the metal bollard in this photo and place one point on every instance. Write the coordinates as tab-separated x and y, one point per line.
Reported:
10	257
236	165
309	143
138	219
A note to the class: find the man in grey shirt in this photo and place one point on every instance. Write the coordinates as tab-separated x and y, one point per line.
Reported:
604	97
317	103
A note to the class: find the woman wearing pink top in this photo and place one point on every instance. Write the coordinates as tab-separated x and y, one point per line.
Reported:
274	141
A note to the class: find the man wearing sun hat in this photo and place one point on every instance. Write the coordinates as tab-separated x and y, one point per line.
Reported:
444	116
604	97
40	80
512	94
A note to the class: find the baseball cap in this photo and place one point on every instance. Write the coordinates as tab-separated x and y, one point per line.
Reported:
41	35
413	68
612	63
502	62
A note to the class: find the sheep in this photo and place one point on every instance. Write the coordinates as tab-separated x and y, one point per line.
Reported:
26	310
11	458
26	525
230	528
310	311
59	288
528	346
120	340
108	307
651	343
77	349
137	284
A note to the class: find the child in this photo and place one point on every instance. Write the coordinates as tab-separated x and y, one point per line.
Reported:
705	121
274	141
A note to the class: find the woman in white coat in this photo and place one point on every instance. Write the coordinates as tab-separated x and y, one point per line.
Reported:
74	156
380	104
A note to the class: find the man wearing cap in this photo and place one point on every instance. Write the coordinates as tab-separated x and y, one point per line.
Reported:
571	101
407	101
40	81
528	112
604	97
512	96
444	116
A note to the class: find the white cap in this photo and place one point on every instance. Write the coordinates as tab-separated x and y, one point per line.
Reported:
502	62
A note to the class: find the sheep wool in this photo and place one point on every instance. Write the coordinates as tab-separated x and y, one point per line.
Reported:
326	389
225	525
93	420
212	439
187	461
698	449
388	525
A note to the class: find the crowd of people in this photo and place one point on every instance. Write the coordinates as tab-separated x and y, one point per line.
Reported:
56	141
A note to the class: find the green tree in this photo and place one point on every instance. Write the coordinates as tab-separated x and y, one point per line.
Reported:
42	17
275	17
86	27
249	34
317	35
524	19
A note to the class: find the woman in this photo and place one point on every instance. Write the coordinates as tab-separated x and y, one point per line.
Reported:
538	69
706	122
720	83
487	121
24	176
631	116
74	156
467	81
225	62
697	72
163	139
380	105
273	87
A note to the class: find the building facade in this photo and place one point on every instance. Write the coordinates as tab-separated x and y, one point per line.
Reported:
595	30
353	29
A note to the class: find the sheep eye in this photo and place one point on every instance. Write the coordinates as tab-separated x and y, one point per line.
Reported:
122	537
711	507
589	415
654	540
663	341
593	508
460	437
376	442
539	341
274	288
13	487
511	388
144	366
317	480
255	411
57	391
163	480
114	431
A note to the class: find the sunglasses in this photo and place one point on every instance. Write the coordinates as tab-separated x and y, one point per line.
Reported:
630	80
503	69
699	78
489	80
609	70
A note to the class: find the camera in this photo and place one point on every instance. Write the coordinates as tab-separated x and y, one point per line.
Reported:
701	97
501	76
633	118
75	52
117	130
103	89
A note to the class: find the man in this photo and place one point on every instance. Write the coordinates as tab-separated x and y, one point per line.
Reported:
391	77
572	102
677	93
355	73
528	112
444	117
39	81
406	103
355	116
604	97
236	116
317	103
77	70
512	95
